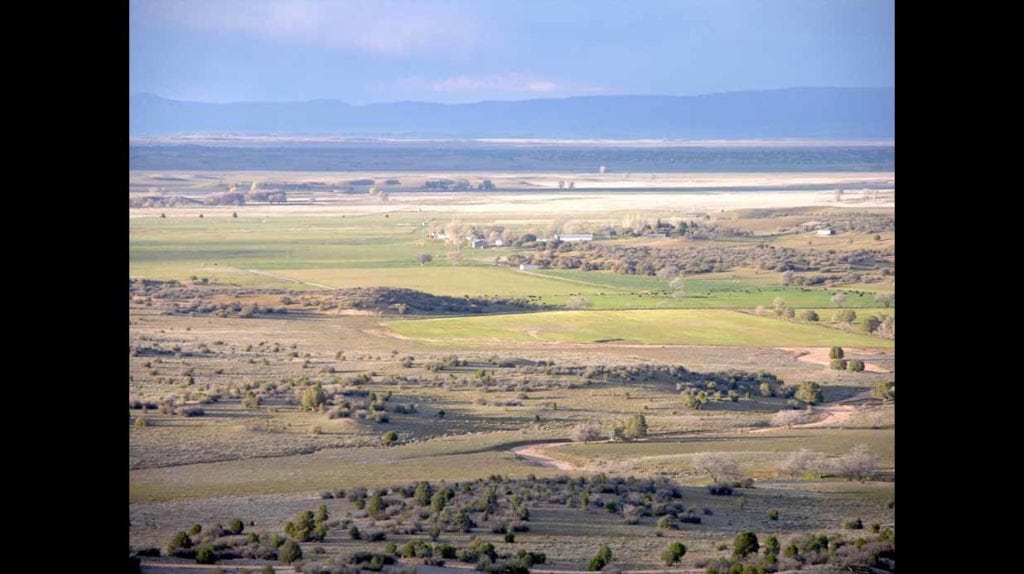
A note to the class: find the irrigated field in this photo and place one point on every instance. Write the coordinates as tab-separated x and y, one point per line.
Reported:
650	327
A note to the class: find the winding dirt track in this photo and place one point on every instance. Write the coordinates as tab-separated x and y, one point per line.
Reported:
530	455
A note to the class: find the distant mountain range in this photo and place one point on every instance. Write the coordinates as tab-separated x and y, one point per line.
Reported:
812	113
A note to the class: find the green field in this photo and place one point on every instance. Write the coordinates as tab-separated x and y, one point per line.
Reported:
660	327
373	251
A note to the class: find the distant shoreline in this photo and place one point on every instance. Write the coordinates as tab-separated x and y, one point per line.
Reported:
277	140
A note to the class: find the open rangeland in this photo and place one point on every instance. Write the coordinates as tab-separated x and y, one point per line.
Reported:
460	376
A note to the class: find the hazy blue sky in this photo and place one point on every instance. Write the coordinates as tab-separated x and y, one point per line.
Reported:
457	51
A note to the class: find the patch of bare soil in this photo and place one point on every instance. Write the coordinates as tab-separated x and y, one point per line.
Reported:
819	356
530	454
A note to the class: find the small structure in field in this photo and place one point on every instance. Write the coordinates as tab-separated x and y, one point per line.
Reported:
574	237
825	232
528	267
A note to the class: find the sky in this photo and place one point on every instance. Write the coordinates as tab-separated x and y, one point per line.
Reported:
364	51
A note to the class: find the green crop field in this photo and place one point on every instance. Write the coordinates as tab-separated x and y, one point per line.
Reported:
662	327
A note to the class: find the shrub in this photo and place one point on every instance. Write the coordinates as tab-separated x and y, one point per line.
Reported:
312	398
745	543
853	524
376	506
236	526
810	392
838	364
809	315
773	514
586	432
289	552
601	559
510	537
845	316
884	391
673	553
180	540
835	353
790	417
390	438
423	493
855	365
205	554
354	533
721	489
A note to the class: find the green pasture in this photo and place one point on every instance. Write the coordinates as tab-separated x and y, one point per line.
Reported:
653	327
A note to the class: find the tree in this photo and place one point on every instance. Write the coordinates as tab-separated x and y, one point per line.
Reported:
871	324
859	464
717	465
601	559
376	506
855	365
312	398
390	438
636	427
787	277
745	543
423	493
779	304
836	353
586	432
885	299
838	364
289	552
772	546
673	553
424	258
810	392
438	501
321	514
839	299
800	463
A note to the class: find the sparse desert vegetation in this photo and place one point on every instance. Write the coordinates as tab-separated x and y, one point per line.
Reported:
325	379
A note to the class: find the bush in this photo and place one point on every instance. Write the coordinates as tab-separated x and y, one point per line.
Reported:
586	432
773	515
601	559
810	392
180	540
855	365
838	364
236	526
809	315
745	543
673	553
390	438
289	552
721	489
205	554
835	353
853	524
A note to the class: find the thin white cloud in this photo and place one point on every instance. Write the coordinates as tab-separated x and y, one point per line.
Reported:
508	82
383	27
